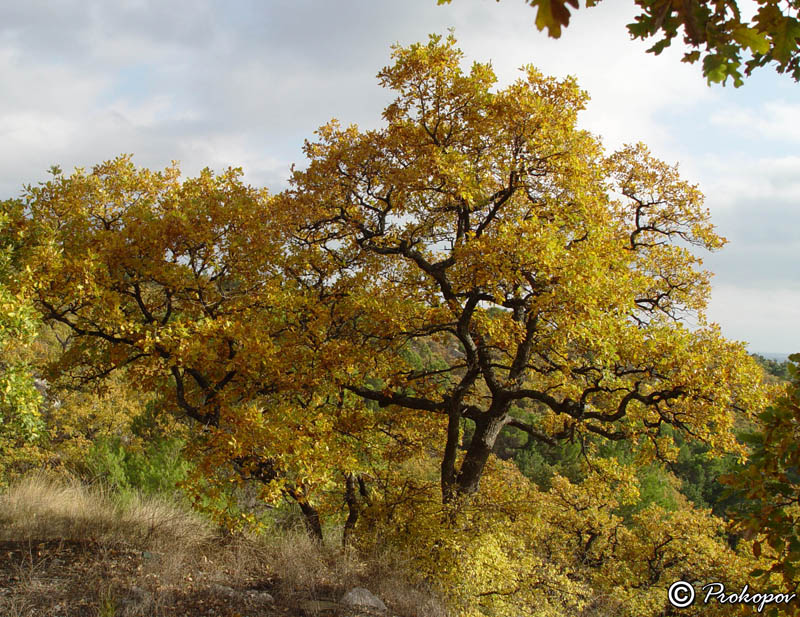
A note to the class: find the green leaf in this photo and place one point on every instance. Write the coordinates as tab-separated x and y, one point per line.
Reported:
639	29
691	57
551	14
715	67
784	40
660	46
751	38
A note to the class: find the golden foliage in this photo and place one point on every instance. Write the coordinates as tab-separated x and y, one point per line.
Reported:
515	550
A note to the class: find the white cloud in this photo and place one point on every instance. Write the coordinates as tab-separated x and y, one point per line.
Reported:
774	120
754	203
736	177
762	318
151	112
24	130
223	151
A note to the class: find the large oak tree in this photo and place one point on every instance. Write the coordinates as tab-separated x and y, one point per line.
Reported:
483	220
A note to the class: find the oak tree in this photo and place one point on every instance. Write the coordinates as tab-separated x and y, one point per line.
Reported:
477	263
550	278
184	286
558	277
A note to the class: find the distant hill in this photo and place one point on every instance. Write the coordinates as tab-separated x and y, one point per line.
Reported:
778	357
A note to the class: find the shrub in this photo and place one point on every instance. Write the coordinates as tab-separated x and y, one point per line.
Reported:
156	467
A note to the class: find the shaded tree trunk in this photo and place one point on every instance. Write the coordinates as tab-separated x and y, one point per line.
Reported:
467	479
351	499
311	517
312	520
448	468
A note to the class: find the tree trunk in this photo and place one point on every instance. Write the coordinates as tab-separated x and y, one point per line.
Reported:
478	452
351	498
448	469
310	514
312	520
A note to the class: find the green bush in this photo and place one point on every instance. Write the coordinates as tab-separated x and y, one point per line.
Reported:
157	467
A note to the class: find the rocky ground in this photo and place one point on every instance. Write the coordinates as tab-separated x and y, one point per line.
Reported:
60	578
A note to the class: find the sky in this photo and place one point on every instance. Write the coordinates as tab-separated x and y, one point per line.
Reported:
243	83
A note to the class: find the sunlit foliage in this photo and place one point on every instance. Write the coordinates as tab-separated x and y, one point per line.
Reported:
484	220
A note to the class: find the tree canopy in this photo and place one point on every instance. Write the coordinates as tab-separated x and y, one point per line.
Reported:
560	274
478	219
718	32
20	422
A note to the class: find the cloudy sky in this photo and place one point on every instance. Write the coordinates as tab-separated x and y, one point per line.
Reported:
243	83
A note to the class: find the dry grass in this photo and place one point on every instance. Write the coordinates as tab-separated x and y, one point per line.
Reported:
75	551
42	507
307	571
